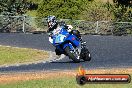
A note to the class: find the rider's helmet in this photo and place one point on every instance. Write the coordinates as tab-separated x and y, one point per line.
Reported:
52	23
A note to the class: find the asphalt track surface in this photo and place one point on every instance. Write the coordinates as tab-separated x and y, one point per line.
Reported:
107	52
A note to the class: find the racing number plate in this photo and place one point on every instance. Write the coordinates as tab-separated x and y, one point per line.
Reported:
59	38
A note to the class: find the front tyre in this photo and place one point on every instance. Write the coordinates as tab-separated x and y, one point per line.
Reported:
85	54
72	55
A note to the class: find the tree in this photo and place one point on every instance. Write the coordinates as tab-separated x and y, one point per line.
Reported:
122	10
15	7
96	11
67	9
123	2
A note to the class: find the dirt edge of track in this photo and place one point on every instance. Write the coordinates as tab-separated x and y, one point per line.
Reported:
14	77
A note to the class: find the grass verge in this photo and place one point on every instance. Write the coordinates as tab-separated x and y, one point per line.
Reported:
12	55
62	82
65	79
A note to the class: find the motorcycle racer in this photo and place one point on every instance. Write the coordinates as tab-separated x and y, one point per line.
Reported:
54	27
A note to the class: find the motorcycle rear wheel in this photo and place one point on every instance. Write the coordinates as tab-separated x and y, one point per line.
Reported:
71	55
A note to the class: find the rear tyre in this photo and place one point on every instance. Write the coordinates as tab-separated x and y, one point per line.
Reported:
85	54
71	55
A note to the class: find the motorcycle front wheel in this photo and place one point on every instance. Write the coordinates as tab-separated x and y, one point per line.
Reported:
72	55
85	54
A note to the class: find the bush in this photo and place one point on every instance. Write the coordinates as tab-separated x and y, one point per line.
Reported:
64	9
96	11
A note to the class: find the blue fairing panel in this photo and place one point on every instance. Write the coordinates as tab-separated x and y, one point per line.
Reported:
74	40
63	39
68	44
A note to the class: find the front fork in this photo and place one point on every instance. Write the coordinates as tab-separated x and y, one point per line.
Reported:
83	44
76	51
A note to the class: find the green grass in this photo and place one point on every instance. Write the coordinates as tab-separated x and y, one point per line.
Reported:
11	55
32	13
68	82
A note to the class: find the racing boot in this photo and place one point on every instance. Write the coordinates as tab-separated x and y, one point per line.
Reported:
57	52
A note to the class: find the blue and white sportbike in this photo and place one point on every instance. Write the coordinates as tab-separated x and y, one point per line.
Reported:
70	45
